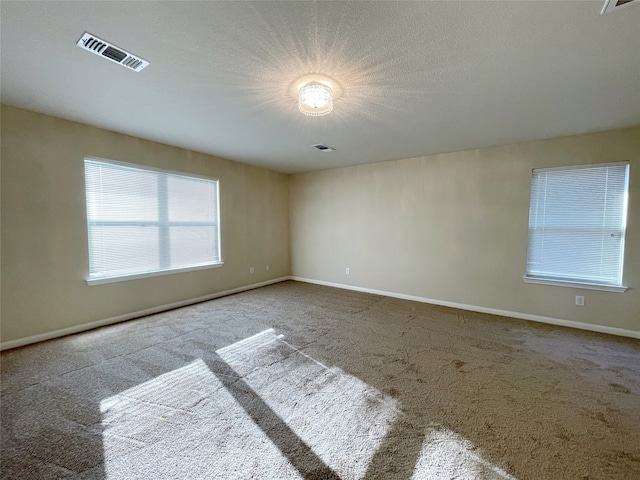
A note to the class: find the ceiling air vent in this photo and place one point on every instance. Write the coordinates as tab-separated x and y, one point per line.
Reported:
611	5
108	51
323	148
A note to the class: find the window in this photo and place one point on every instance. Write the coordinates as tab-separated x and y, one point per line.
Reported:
577	219
143	221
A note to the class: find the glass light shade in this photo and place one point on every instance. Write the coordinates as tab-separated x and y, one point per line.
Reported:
315	99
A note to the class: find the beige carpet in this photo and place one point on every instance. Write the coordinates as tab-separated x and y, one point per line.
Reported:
303	381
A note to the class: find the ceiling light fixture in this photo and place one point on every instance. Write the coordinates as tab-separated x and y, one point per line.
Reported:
315	99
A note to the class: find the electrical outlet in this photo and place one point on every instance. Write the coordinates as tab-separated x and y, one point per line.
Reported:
347	271
580	300
267	267
251	270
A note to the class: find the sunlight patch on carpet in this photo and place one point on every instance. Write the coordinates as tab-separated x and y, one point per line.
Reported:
445	454
184	424
341	418
257	409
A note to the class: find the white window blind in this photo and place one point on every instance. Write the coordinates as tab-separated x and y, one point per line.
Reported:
577	219
142	220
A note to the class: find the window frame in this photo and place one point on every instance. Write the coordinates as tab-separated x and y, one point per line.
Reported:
576	283
159	223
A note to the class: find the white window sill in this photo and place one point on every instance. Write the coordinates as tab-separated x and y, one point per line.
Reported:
588	286
123	278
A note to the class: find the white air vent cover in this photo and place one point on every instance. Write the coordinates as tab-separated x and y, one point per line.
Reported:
108	51
611	5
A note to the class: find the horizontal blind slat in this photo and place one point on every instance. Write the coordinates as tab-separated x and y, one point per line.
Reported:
144	220
577	223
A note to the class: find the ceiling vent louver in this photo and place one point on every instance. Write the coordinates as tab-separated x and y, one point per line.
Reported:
105	49
324	148
611	5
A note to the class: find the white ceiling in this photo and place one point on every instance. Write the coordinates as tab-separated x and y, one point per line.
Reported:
418	78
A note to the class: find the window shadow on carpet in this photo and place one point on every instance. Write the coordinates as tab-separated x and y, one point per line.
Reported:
299	454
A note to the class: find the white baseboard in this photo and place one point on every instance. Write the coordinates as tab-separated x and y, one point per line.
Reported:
128	316
150	311
505	313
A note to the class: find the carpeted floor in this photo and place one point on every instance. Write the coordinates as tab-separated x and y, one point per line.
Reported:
303	381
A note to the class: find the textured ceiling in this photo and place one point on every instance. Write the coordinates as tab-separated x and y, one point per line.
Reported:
417	78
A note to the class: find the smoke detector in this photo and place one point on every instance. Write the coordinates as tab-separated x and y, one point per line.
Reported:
110	52
611	5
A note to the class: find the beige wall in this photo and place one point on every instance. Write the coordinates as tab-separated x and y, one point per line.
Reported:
453	228
44	232
449	227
